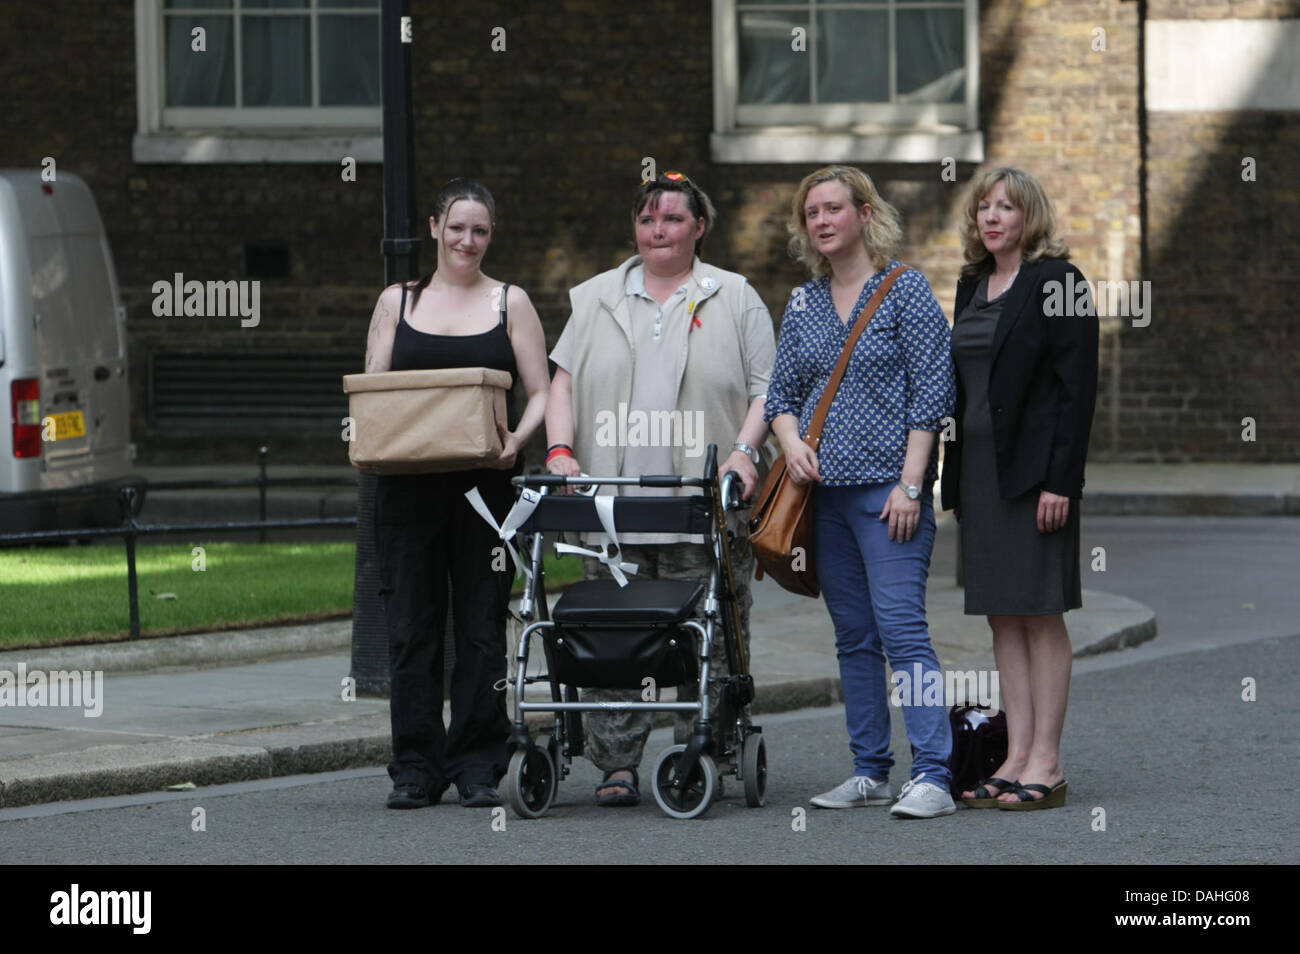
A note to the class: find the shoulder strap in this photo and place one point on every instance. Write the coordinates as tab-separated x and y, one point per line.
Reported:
505	293
833	385
402	308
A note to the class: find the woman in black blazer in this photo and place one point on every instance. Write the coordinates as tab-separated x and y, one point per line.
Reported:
1024	343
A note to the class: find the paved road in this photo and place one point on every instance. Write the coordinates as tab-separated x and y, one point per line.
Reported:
1158	737
1212	581
1184	771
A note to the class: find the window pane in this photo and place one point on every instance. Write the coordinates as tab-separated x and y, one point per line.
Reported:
770	71
324	4
852	56
349	60
200	79
275	4
277	61
931	56
199	4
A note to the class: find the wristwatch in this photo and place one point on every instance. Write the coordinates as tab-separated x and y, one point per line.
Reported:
913	493
746	450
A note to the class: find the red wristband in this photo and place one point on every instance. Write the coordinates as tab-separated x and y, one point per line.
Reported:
558	452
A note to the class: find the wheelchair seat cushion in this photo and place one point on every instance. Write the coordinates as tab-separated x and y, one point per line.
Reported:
641	601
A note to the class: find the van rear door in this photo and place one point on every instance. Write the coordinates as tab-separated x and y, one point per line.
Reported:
80	341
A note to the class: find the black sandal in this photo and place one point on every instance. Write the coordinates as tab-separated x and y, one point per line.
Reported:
982	797
629	794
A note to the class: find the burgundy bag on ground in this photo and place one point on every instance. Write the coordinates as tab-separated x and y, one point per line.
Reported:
780	530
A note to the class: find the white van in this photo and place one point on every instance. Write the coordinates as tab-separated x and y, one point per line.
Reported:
66	419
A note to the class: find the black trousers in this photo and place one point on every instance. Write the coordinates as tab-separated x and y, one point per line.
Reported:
433	546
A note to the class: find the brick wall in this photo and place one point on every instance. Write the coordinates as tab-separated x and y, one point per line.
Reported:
76	101
1222	344
557	127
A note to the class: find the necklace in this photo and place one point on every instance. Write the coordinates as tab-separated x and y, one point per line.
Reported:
1004	287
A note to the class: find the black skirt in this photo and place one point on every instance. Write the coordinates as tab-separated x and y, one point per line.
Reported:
1009	567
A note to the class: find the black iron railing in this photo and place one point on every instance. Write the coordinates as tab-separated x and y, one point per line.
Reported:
132	530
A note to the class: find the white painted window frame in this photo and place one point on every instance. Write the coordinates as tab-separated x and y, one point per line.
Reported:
211	135
839	132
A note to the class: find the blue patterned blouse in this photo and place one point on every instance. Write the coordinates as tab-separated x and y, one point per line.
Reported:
899	377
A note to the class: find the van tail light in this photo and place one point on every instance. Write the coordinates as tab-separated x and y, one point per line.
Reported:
25	404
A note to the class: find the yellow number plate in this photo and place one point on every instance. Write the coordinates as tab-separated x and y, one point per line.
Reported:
69	425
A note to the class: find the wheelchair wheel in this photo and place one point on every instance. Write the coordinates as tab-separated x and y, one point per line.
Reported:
692	799
530	781
753	761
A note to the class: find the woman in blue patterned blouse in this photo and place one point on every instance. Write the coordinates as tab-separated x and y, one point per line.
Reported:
874	470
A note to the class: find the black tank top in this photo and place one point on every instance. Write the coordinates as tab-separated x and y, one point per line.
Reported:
415	350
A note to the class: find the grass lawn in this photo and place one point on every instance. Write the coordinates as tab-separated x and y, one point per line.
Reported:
54	595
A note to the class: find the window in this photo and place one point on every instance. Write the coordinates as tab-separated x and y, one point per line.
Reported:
258	80
846	80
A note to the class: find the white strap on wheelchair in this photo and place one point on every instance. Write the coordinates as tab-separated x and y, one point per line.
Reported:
518	515
617	568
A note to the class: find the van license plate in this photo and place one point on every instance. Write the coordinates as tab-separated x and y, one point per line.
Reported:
69	425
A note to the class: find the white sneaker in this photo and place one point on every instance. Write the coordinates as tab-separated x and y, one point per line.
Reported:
919	799
856	792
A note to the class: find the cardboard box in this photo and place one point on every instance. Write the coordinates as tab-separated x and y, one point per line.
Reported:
419	422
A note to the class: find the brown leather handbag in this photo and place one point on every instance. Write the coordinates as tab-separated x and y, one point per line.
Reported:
781	529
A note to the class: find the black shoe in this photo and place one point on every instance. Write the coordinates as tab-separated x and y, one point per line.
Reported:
408	795
479	795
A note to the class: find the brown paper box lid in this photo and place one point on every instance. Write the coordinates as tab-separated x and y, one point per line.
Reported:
414	380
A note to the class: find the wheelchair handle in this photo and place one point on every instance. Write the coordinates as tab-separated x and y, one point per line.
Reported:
732	491
664	480
540	480
649	480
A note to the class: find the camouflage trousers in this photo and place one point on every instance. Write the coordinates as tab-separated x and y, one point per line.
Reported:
616	740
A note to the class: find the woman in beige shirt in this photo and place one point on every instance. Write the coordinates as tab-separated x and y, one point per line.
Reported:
661	357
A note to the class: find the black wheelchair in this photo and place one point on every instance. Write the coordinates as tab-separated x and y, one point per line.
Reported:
621	633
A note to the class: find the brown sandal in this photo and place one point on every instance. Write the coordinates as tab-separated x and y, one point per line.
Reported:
1053	797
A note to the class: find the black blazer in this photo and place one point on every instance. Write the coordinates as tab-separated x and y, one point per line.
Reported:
1042	385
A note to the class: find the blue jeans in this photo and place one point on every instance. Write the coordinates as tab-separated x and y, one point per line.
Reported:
875	591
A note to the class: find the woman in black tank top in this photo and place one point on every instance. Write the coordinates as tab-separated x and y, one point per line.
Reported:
435	551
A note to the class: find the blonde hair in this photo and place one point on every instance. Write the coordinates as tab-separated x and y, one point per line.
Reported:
1038	238
882	235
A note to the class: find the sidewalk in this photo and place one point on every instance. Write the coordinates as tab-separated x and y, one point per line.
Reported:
1200	490
1110	489
227	707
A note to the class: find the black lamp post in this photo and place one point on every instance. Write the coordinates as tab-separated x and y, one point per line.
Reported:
401	251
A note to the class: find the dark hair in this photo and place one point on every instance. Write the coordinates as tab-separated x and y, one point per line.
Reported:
697	200
455	190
